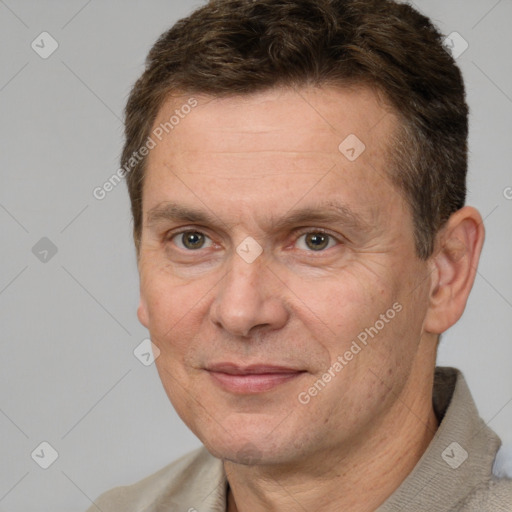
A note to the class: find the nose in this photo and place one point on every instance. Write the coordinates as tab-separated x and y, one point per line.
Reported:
250	298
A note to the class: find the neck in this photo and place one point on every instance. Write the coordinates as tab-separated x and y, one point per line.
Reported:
359	477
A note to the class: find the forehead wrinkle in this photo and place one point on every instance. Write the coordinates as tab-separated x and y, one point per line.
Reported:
296	155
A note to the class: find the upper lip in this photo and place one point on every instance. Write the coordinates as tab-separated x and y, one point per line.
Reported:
253	369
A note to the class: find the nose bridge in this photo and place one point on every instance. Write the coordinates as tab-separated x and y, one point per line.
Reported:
245	279
247	298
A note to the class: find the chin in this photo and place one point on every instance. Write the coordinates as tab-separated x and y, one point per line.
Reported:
246	454
253	450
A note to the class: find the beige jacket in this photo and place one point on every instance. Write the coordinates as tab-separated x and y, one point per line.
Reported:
454	474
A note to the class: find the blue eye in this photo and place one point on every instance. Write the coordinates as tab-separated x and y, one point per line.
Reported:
191	240
315	241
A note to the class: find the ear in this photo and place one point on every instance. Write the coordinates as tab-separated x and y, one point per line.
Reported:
142	312
454	265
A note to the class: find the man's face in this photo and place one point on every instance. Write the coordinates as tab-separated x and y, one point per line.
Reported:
247	338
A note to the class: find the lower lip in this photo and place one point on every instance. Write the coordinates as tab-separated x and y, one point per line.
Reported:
252	383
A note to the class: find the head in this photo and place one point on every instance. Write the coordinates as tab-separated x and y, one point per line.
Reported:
301	205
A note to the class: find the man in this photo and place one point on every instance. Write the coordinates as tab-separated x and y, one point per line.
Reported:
296	170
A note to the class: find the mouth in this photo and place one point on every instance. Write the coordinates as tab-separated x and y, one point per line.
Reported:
251	379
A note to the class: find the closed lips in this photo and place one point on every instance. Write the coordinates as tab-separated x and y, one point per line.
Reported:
245	380
232	369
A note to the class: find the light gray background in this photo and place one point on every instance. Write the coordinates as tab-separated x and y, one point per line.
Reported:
68	374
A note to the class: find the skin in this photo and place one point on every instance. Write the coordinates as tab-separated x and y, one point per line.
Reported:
249	163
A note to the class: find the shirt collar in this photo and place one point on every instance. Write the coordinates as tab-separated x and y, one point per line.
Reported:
458	459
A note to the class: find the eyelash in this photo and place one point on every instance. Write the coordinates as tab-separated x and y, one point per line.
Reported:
300	233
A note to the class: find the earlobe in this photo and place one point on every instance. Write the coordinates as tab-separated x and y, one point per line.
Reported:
454	268
142	313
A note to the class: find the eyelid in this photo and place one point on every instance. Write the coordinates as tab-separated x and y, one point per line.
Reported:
184	229
304	231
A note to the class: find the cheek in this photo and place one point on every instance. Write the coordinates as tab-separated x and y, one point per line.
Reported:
342	305
173	310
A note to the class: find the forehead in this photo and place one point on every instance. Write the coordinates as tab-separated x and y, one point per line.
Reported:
271	145
276	119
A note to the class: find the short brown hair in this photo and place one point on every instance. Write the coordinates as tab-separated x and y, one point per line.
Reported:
232	47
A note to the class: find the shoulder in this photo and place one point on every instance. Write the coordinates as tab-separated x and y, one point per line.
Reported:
494	496
172	481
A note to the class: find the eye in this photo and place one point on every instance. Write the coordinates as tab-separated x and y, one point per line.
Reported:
316	241
191	240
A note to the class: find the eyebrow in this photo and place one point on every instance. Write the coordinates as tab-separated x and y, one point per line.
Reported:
172	212
329	212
